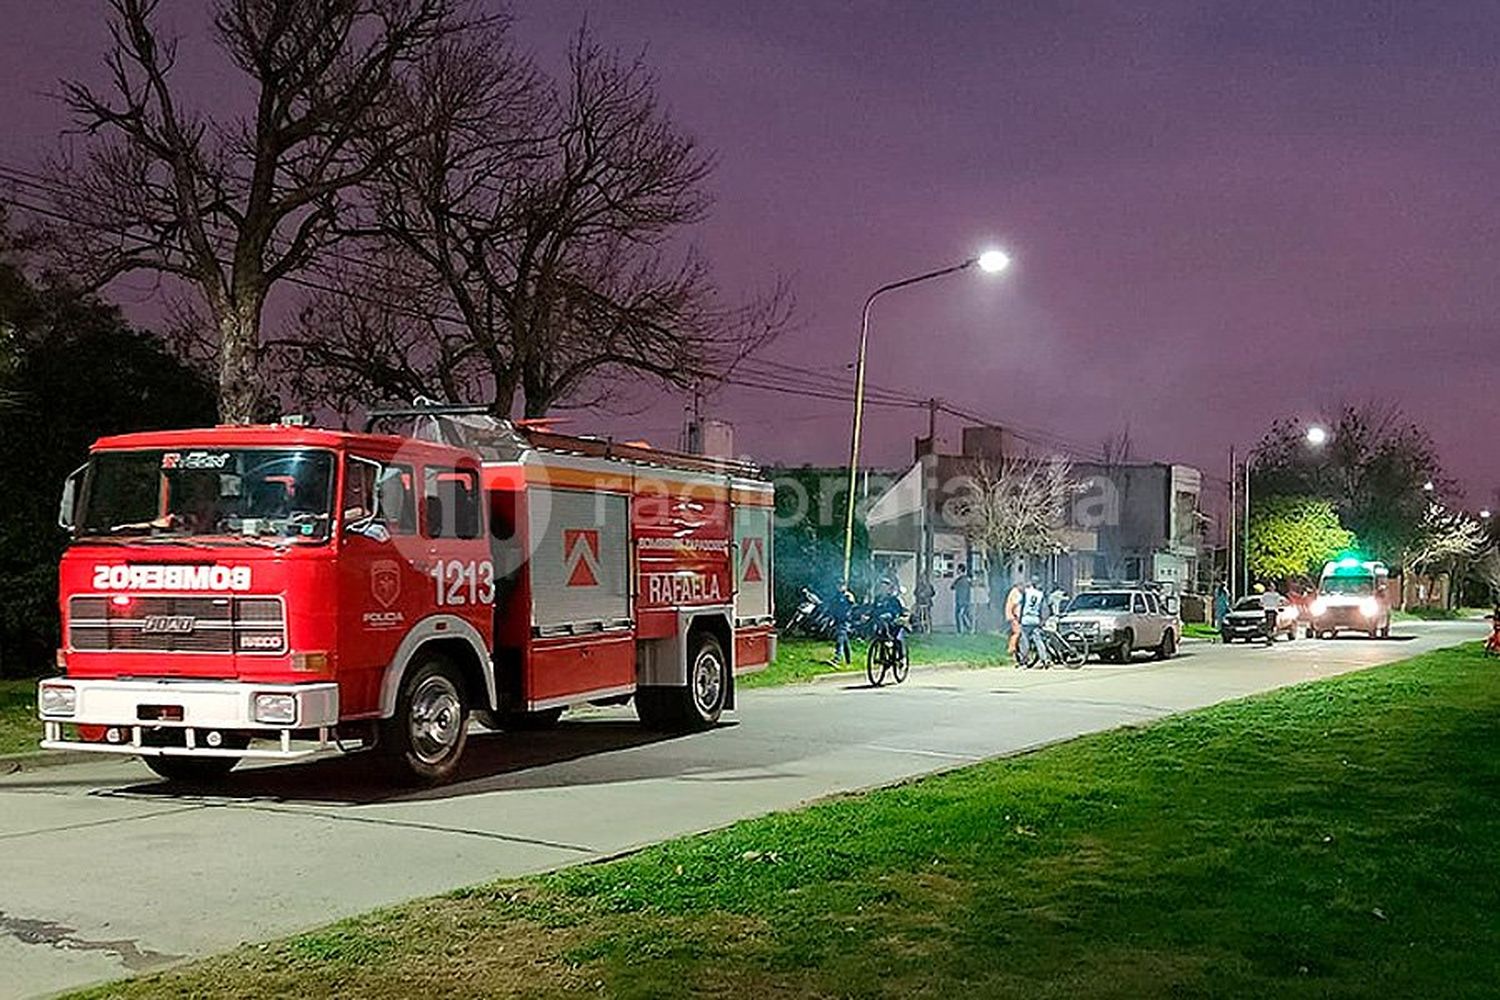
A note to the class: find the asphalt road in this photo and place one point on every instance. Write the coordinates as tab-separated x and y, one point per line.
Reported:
105	871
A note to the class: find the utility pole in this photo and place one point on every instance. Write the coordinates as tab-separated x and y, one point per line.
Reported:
929	464
1232	538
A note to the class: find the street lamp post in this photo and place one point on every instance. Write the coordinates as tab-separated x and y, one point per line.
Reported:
1316	437
991	262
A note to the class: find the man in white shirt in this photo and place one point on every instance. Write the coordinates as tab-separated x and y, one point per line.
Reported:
1270	605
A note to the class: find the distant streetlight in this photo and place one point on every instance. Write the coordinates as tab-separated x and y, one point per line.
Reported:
1485	514
991	262
1316	437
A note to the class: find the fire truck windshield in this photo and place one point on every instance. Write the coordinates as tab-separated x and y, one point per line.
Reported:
284	495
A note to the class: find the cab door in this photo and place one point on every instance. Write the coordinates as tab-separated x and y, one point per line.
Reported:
457	562
380	584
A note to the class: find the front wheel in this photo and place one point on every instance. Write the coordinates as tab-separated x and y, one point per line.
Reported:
1126	649
424	740
875	664
1075	650
1168	647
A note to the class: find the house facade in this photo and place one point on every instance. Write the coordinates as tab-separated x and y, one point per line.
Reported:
1130	522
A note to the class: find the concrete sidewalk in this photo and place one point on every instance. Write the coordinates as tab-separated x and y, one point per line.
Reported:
105	871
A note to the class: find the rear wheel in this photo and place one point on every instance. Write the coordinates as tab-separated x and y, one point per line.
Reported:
1168	647
901	663
701	702
425	738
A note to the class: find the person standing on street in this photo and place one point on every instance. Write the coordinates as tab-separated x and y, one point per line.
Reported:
924	596
1221	606
1033	614
841	609
963	597
1013	620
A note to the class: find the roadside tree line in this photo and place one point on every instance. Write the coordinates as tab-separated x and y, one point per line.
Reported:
1376	487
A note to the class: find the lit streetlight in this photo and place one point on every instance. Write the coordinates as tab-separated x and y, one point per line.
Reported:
990	262
1316	436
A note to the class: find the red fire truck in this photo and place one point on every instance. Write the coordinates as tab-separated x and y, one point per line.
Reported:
273	591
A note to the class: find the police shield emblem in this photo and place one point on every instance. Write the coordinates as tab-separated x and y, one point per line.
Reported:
385	582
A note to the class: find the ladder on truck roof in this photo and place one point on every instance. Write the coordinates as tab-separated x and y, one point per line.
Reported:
497	440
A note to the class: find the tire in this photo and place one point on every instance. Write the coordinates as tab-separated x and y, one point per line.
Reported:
1168	647
192	770
423	741
901	665
516	721
1126	649
1076	652
699	704
875	663
1225	637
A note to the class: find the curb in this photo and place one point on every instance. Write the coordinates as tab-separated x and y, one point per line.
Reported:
14	763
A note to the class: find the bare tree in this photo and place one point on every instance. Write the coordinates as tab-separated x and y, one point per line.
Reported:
547	219
1443	537
232	204
1015	507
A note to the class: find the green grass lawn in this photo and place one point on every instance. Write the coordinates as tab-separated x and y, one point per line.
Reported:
1438	614
804	659
19	728
1337	839
1199	630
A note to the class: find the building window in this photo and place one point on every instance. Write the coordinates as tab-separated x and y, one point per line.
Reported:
943	564
1132	567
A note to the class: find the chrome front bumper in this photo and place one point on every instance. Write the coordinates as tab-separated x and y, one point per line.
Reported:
207	707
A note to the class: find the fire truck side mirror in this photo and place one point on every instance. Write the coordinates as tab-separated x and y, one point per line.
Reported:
66	509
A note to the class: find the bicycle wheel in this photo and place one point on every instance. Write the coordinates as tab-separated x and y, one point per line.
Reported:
901	663
1075	650
875	663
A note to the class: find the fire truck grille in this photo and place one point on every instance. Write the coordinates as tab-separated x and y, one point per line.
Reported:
177	624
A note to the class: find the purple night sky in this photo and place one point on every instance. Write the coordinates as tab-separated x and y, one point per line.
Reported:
1221	213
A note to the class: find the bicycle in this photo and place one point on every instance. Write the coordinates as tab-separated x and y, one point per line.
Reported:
887	654
1071	650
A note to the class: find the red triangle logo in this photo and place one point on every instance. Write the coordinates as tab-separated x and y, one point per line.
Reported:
581	554
750	553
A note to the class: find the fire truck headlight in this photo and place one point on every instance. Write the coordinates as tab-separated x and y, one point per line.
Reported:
1370	607
58	699
275	709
